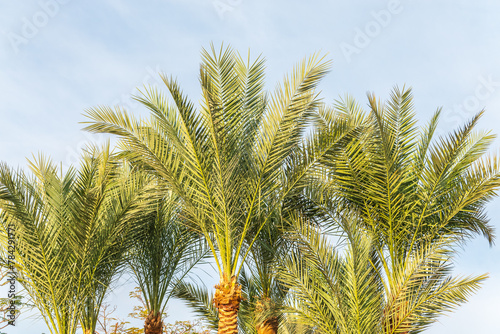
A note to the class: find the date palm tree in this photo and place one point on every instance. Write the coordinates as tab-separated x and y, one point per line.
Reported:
71	232
263	295
414	198
163	254
226	161
407	185
45	262
352	291
110	198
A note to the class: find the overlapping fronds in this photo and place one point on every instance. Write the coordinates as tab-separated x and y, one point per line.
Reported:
354	290
164	252
47	268
226	160
413	198
109	199
200	300
422	289
71	232
330	291
409	186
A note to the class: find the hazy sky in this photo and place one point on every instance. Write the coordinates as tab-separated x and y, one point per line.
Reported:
59	57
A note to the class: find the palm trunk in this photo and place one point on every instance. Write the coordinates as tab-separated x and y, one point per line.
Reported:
153	323
87	331
267	321
270	326
227	299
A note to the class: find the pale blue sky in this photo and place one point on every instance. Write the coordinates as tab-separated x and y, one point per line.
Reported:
59	57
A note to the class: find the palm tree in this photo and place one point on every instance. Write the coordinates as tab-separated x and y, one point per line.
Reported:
227	161
71	233
408	187
352	291
164	253
47	266
109	200
414	197
263	295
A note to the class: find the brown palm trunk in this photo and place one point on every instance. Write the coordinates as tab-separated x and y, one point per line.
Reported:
153	323
227	299
267	323
87	331
270	326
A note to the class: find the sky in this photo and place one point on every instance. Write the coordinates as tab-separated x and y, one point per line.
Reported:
61	57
